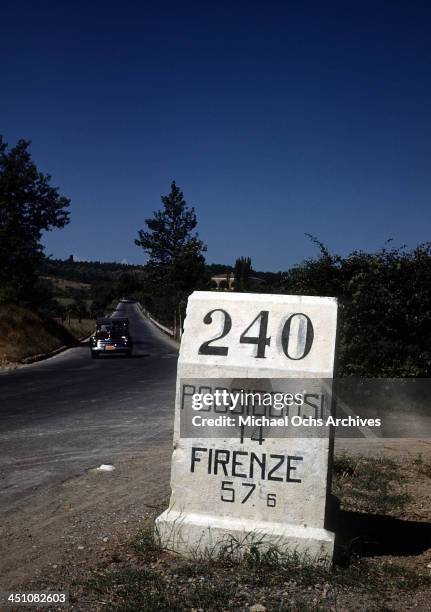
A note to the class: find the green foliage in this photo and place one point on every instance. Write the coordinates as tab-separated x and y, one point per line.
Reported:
246	572
79	308
242	271
89	271
147	541
170	231
102	295
129	285
385	307
29	205
176	263
217	269
104	282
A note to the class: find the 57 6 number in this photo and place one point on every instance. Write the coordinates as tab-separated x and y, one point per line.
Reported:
261	340
228	493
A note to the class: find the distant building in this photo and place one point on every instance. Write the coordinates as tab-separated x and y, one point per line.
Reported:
224	281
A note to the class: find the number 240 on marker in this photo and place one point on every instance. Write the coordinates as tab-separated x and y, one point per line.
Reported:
262	341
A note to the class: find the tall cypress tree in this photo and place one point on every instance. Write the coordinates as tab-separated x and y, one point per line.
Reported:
242	270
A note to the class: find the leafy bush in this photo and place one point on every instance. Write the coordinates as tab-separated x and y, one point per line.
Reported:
385	307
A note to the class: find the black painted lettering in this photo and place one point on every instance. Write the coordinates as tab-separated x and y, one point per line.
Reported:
292	468
276	466
222	462
261	463
195	458
236	463
210	460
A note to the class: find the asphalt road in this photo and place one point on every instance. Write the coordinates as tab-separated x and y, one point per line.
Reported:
70	413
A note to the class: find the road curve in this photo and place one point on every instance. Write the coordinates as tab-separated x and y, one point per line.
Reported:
69	413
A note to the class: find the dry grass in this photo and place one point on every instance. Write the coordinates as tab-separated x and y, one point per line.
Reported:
389	571
63	283
145	577
80	329
24	333
370	484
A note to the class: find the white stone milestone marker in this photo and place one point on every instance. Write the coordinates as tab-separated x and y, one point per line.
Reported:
273	489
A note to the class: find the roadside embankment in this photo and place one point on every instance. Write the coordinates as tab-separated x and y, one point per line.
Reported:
173	334
26	336
93	536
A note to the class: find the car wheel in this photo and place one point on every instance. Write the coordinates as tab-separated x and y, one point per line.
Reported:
94	355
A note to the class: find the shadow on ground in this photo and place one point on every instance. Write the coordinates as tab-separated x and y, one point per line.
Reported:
368	535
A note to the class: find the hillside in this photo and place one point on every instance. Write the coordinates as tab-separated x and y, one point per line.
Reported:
24	333
90	272
87	271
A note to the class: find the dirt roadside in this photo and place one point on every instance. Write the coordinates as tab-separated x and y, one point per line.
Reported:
80	521
88	520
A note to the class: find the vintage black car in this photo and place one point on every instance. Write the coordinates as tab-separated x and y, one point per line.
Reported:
111	336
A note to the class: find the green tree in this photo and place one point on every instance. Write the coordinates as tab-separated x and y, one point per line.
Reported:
101	295
79	308
29	205
128	285
176	263
242	270
385	306
170	235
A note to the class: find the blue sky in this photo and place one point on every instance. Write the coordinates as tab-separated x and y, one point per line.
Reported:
275	119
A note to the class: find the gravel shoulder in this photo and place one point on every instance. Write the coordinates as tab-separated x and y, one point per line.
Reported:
73	533
77	523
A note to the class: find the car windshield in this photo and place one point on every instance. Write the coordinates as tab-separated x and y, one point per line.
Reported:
112	329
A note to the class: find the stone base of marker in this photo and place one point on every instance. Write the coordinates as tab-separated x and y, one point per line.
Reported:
193	534
281	504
